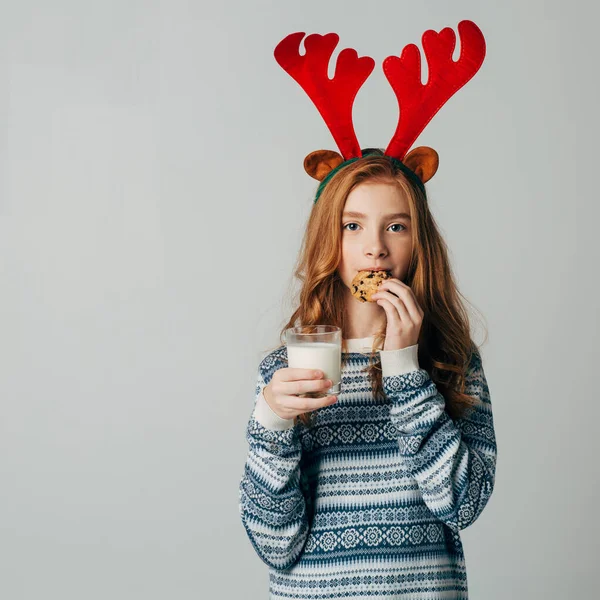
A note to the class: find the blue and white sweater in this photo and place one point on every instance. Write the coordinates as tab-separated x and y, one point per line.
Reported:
369	501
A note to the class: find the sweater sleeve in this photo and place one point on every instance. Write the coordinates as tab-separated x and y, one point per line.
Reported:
271	503
454	463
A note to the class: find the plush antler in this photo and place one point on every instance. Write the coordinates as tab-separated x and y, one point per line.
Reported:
332	97
418	103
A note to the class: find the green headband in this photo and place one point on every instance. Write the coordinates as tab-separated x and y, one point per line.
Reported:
397	163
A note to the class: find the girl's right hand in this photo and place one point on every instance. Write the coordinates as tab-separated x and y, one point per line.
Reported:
281	392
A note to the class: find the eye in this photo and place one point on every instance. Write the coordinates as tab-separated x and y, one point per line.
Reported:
398	224
393	225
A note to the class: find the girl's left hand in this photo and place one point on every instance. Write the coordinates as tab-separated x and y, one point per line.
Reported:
403	313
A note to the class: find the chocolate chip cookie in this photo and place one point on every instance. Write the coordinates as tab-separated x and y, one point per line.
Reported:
365	284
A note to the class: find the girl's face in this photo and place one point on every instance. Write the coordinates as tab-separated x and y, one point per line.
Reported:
381	237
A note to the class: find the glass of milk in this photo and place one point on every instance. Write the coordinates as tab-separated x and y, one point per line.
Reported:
317	347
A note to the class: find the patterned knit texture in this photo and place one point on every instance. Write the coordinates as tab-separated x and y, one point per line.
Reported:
369	501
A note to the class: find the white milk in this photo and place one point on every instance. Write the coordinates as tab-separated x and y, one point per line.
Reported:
324	356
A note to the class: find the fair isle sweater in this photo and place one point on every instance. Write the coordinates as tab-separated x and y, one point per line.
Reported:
369	501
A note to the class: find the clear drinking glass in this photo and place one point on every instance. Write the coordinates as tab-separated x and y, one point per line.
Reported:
317	347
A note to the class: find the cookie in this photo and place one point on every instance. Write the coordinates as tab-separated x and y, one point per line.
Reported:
365	284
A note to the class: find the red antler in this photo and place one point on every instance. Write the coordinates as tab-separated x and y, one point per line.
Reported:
332	97
418	103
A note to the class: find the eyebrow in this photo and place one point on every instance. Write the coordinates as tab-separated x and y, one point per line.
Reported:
358	215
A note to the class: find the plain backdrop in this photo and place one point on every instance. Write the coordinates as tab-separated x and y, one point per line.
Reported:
152	204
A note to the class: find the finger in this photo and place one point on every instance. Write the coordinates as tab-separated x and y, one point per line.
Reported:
400	307
305	386
307	404
296	373
404	292
395	301
393	318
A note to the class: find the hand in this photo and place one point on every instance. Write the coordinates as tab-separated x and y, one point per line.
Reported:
281	392
403	313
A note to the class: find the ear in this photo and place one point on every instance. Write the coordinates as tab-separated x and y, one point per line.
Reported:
423	161
320	162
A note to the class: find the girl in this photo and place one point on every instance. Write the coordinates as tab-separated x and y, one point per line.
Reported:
364	495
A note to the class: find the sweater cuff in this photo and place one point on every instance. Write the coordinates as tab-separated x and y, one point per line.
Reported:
397	362
267	417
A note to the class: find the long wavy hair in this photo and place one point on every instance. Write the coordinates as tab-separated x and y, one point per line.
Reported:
445	344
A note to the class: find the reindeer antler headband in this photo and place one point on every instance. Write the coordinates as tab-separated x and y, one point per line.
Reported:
417	103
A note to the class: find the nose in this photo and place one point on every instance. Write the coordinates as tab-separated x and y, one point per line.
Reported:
374	248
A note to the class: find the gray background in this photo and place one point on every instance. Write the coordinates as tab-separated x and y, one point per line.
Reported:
150	148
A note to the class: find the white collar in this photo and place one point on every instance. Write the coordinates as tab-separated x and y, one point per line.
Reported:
359	344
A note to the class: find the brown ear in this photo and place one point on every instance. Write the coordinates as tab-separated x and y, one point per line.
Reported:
423	161
320	162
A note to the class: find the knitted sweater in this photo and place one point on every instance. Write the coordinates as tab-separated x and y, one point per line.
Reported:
368	501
